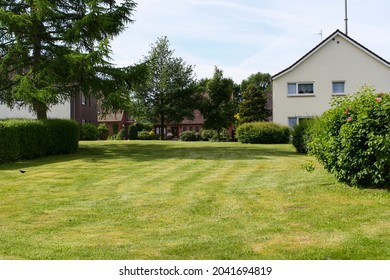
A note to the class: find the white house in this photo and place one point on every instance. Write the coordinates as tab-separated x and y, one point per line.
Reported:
61	111
80	108
337	66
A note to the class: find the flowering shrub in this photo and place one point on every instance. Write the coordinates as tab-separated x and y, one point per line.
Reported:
352	139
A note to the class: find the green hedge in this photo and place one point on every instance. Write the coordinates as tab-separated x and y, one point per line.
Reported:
302	135
28	139
263	133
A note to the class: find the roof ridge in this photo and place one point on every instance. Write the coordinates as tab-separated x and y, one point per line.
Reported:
325	41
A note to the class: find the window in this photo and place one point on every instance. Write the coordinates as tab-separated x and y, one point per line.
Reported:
83	99
292	121
338	87
300	88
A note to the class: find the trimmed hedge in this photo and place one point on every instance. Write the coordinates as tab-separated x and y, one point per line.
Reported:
29	139
263	133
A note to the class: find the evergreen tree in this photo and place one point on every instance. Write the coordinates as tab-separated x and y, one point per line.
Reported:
252	107
51	50
169	92
218	106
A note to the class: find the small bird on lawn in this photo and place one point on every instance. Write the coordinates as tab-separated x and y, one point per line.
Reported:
22	171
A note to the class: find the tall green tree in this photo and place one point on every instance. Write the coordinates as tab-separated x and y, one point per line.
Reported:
254	98
51	50
169	93
218	106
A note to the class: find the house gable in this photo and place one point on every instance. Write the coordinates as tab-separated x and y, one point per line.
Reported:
332	37
337	66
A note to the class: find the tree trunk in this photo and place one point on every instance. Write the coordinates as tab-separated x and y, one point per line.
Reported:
162	127
40	109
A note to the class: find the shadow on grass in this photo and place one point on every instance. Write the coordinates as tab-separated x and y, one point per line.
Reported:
155	151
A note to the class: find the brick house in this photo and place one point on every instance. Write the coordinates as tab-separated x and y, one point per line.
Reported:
196	124
116	121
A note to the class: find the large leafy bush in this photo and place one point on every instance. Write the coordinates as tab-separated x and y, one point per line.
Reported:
263	133
103	131
89	132
352	139
189	135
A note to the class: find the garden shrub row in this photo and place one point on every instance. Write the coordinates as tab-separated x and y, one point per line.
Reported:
28	139
205	135
263	133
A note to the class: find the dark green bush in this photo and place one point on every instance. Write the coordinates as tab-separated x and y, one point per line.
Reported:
263	133
189	135
133	132
103	132
352	139
28	139
115	128
301	135
89	132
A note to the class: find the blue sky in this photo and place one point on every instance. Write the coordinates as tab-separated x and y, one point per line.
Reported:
243	37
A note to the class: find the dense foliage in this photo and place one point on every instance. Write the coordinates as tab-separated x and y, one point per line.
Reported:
28	139
189	135
103	131
89	132
302	135
352	139
263	133
252	107
218	106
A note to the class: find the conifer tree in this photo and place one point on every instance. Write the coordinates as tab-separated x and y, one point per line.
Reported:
53	49
252	107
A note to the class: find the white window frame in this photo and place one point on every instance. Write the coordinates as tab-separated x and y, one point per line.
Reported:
333	89
296	92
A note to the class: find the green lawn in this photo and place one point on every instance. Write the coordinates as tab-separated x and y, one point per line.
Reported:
179	200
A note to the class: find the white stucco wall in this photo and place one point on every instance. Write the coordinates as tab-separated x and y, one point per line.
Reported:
337	60
61	111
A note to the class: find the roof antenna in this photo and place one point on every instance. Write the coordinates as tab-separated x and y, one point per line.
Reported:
346	17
